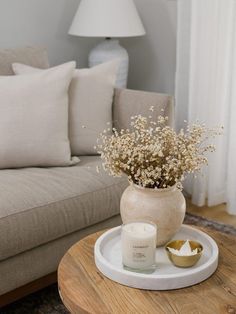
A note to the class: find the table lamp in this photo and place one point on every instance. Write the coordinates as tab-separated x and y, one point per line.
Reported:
108	19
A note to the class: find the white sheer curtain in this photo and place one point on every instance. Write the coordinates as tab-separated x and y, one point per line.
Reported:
206	91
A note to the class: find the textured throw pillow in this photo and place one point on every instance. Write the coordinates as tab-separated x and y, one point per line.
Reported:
34	118
90	103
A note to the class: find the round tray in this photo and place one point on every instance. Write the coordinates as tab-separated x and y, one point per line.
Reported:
107	252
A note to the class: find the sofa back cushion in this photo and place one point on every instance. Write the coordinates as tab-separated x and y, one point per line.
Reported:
129	103
34	56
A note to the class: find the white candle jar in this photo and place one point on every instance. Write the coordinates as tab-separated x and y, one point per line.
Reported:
138	241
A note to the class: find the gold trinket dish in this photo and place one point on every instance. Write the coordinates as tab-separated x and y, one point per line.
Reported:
184	253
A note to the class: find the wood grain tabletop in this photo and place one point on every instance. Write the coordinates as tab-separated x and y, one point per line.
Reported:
84	289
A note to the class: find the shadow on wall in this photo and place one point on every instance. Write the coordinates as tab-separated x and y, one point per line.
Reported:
153	57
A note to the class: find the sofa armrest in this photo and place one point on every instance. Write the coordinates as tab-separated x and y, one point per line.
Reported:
129	102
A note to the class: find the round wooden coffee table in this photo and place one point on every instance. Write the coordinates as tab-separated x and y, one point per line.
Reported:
84	289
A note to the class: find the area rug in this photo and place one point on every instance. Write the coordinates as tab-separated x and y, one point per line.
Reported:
47	301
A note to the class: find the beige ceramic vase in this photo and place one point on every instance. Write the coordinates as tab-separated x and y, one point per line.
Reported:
165	207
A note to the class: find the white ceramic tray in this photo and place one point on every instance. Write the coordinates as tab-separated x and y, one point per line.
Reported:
107	252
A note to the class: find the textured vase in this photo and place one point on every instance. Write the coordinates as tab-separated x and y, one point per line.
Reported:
165	207
108	50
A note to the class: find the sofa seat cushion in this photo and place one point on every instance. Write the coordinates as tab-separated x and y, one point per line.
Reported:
38	205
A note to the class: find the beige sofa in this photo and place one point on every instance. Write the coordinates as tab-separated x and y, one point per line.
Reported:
43	211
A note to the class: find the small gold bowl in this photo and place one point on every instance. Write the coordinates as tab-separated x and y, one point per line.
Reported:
184	261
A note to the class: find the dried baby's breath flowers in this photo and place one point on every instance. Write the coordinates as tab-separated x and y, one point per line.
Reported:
152	154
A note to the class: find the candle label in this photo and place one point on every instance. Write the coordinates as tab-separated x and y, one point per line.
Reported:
140	253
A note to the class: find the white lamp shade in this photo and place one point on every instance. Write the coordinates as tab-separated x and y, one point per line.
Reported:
107	18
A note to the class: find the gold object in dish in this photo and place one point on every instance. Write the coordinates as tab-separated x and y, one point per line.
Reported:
184	260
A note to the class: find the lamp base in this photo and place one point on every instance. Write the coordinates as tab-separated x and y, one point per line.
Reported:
108	50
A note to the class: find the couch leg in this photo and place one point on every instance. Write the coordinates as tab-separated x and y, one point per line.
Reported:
29	288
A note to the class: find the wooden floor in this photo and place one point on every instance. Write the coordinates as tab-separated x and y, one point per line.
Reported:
217	213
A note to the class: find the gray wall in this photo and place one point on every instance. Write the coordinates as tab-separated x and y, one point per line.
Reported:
152	57
46	22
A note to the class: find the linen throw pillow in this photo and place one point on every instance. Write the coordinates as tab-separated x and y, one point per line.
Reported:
34	119
90	103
